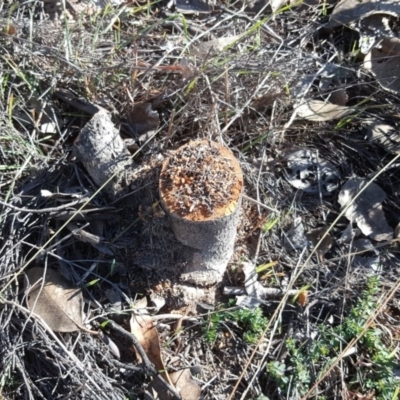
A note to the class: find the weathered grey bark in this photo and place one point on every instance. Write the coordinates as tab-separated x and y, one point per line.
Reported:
101	150
201	191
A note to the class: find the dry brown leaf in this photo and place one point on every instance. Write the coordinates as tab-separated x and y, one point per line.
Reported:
143	328
366	210
384	62
183	382
318	110
55	299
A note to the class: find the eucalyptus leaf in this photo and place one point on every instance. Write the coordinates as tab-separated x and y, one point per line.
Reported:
53	298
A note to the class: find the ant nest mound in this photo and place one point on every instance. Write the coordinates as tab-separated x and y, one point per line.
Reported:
201	181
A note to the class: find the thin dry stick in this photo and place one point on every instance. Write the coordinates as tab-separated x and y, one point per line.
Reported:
46	210
282	302
356	253
262	204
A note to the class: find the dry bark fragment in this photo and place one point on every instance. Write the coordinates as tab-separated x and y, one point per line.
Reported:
101	150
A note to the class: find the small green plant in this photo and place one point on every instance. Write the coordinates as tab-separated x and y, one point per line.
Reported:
251	322
308	361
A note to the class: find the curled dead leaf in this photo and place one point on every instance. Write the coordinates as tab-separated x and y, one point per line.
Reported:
366	210
184	384
384	62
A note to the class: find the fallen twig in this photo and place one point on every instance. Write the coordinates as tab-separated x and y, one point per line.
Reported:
44	210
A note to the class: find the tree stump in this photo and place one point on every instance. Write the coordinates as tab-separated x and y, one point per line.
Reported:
201	189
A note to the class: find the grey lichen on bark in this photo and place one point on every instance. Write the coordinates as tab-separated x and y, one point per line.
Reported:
101	150
201	189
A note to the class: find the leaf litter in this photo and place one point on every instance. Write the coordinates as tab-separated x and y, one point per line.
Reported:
246	89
